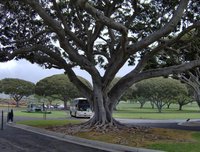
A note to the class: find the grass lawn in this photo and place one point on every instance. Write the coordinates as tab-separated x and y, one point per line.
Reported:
129	110
132	110
159	139
53	115
48	123
191	146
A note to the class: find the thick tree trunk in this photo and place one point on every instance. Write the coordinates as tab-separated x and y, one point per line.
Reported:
65	105
115	108
159	109
17	103
17	98
103	116
102	113
198	98
168	105
152	104
103	110
142	105
180	107
159	105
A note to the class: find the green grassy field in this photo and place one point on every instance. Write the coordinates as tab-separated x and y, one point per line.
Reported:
179	147
48	123
128	110
53	115
132	110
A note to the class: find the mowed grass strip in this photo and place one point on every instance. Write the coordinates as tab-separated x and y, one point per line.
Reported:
53	114
48	123
159	139
132	111
190	146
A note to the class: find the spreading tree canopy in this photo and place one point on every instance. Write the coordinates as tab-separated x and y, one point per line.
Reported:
93	34
17	88
192	76
59	86
160	90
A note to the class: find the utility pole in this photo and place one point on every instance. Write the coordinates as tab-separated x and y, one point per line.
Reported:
2	121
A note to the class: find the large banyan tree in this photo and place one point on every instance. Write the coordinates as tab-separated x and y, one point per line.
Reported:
99	34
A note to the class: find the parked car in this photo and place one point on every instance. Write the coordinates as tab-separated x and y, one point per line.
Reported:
61	106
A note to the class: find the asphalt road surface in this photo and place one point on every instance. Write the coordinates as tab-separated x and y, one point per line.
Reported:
17	140
169	126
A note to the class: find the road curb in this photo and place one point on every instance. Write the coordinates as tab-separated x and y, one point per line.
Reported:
81	141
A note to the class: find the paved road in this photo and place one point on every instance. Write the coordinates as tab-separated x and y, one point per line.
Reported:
170	124
18	140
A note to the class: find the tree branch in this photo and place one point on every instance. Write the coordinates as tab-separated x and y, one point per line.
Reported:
131	78
162	32
164	44
86	92
31	38
55	25
66	28
100	17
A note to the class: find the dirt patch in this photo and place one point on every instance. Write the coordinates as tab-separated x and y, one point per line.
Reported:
130	136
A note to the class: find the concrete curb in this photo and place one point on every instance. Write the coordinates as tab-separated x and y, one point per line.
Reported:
80	141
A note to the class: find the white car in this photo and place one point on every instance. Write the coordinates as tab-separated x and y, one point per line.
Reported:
61	106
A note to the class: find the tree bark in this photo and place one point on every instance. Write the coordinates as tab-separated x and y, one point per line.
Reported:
197	97
103	110
141	105
17	98
168	105
17	103
152	104
180	107
65	105
159	105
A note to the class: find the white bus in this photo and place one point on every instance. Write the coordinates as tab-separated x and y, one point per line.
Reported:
80	107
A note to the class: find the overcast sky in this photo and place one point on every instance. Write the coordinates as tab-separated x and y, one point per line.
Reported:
31	72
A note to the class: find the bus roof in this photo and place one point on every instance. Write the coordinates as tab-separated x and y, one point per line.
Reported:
80	98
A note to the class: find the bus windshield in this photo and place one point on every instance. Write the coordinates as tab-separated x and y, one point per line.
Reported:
83	105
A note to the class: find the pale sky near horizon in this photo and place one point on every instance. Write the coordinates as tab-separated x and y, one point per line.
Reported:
23	69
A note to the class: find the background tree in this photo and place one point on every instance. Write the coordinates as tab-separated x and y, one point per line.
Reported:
101	33
60	87
17	88
137	95
190	77
141	100
160	90
183	100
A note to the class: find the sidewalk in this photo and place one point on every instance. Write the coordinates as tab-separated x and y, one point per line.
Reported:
81	141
